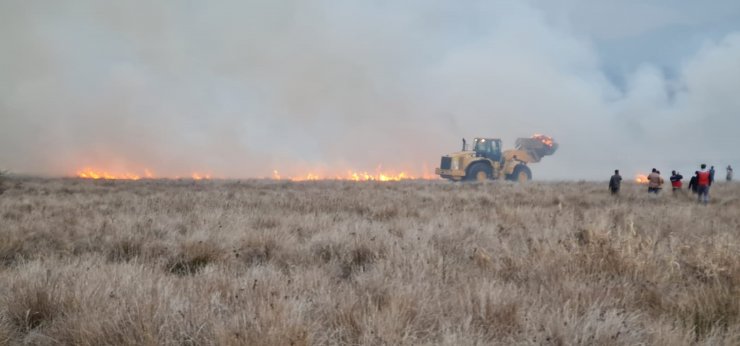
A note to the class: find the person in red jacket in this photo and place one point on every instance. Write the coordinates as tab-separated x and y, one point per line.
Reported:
676	181
703	180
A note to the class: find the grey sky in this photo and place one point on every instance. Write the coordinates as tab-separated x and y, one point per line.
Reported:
240	88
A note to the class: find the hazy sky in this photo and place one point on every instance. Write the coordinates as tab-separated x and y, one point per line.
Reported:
241	88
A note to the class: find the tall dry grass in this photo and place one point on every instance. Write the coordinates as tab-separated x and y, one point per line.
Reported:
3	177
340	263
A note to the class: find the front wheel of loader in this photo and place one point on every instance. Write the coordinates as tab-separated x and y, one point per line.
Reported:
479	172
521	174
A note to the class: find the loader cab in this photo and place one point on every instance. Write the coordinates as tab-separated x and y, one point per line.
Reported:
489	148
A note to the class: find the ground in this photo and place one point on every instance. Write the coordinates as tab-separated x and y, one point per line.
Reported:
340	263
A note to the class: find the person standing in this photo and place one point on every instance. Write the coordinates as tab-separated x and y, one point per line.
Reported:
703	181
676	181
711	175
729	173
692	183
615	182
655	182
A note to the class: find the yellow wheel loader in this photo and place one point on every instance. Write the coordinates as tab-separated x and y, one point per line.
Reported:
485	160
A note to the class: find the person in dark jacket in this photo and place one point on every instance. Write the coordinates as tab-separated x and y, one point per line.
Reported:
615	182
692	183
676	181
711	175
729	173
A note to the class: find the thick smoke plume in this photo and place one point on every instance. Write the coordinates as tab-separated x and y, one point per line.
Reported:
242	88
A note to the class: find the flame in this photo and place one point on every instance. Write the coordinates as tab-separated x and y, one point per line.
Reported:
198	176
547	140
352	175
641	179
89	173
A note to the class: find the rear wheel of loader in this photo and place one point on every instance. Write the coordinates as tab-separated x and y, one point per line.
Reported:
479	172
521	174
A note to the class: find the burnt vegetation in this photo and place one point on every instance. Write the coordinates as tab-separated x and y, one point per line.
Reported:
341	263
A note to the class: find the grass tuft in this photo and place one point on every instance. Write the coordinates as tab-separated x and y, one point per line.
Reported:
193	257
33	305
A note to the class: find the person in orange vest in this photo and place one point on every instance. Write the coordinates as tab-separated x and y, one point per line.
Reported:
703	180
676	181
655	182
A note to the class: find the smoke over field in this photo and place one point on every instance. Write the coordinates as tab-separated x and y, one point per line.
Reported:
358	101
243	88
346	263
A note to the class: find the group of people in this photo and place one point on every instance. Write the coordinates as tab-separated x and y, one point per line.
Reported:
698	184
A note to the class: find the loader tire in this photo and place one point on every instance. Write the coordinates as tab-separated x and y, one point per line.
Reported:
521	174
479	172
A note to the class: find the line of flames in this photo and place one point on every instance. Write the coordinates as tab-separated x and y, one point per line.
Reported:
88	173
353	176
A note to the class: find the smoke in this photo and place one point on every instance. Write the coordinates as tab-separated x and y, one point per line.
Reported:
241	88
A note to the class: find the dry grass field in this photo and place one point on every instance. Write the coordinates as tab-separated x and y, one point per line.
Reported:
340	263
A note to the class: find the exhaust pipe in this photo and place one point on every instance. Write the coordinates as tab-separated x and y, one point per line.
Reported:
463	147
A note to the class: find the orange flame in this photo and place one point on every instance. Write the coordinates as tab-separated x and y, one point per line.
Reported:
351	175
198	176
547	140
641	179
89	173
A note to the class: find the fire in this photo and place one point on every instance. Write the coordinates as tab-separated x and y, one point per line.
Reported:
198	176
351	175
547	140
89	173
641	179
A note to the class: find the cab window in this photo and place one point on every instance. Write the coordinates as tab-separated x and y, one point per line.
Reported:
482	145
488	148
